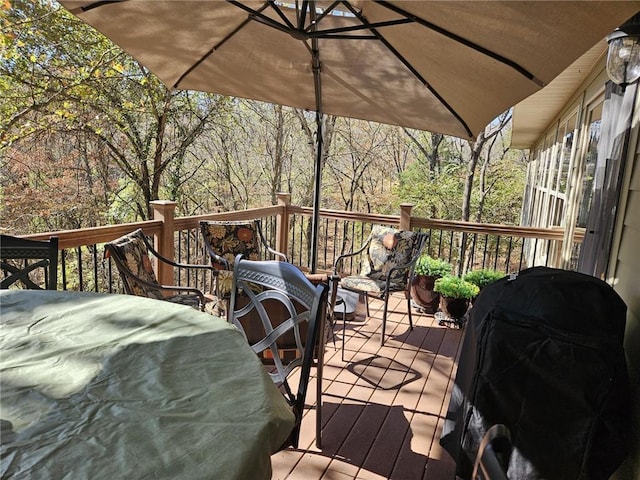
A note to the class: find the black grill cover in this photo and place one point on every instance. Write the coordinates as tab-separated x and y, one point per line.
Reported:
543	355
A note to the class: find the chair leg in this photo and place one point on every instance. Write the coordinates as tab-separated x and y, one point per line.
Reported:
408	295
344	327
384	318
366	303
344	319
319	373
330	325
333	303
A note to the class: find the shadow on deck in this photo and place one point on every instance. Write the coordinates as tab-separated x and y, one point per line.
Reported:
383	407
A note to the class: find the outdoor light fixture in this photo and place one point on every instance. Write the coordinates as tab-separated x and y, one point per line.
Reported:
623	59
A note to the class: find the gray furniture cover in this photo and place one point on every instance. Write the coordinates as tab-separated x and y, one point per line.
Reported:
122	387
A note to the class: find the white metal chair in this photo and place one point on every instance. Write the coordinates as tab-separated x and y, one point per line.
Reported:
280	312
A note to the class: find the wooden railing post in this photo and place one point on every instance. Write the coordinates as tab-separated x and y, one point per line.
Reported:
282	223
405	216
164	210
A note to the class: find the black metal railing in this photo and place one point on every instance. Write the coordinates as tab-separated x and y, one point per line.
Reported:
466	245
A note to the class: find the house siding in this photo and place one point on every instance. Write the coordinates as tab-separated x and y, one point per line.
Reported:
624	256
624	277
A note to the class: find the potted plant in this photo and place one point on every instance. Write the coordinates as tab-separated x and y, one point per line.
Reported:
482	278
425	273
455	295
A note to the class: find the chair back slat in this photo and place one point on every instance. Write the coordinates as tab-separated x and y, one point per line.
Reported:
131	256
390	248
224	240
279	311
19	269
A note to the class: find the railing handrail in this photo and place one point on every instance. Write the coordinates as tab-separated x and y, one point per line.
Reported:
93	235
464	244
553	233
183	223
345	215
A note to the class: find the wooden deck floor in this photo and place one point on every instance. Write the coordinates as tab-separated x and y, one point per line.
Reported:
383	407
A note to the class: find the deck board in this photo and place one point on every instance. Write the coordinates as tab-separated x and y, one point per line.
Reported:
383	407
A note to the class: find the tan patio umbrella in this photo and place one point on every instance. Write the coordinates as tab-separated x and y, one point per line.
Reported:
441	66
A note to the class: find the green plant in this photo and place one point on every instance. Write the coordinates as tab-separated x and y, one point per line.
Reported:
455	287
434	267
483	277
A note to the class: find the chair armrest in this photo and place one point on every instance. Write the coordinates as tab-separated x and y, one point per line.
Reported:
276	253
180	265
215	258
170	288
350	254
402	267
263	241
213	270
178	288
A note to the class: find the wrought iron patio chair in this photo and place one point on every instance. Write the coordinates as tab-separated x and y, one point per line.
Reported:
25	262
388	259
224	240
492	460
280	312
131	256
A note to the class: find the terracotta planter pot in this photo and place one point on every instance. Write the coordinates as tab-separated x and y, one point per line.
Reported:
422	293
454	307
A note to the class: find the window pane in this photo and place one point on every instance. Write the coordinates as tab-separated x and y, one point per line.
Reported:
565	160
553	164
546	160
590	159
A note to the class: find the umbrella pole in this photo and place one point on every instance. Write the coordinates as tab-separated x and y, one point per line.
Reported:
315	224
315	66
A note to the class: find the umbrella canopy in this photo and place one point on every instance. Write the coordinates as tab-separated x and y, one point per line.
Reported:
448	67
442	66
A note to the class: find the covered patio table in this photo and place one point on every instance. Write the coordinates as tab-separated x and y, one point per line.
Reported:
99	386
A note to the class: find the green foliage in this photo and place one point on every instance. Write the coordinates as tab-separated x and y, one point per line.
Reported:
437	197
437	187
435	267
102	137
482	278
455	287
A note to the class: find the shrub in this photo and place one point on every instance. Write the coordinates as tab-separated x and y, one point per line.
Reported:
434	267
455	287
482	278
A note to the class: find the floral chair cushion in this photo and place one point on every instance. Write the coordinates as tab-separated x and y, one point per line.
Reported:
133	251
228	239
388	248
